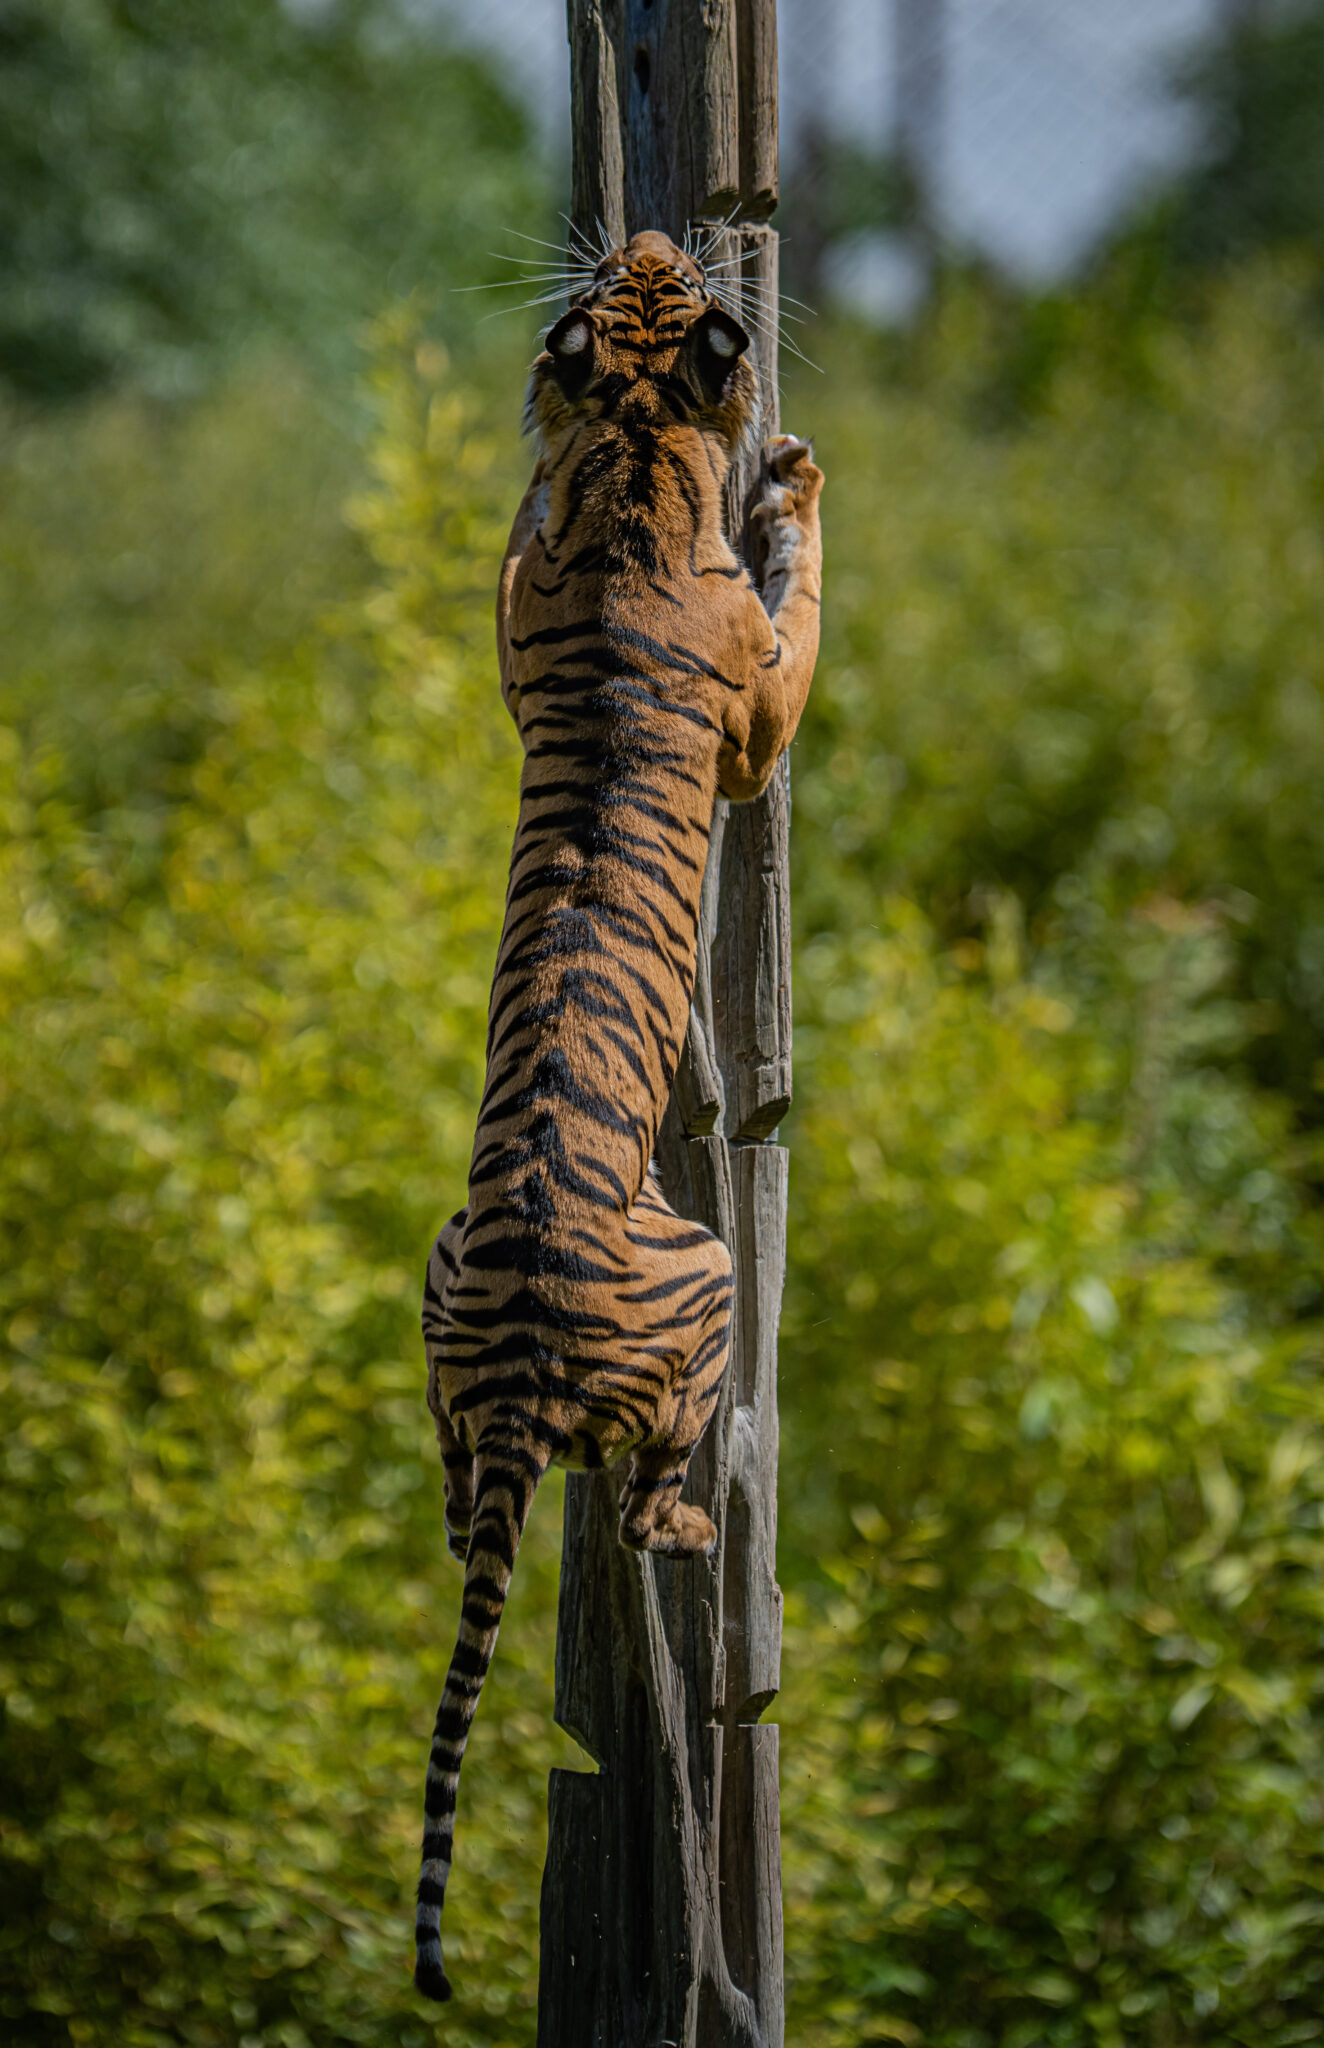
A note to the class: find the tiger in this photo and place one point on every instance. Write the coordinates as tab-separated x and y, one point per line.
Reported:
570	1316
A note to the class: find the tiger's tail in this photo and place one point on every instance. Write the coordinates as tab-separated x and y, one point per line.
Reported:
505	1481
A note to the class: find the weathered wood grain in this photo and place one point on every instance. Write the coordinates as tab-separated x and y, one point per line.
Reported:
598	186
751	963
661	1902
698	1091
756	34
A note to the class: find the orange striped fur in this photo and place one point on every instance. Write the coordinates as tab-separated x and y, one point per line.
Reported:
570	1316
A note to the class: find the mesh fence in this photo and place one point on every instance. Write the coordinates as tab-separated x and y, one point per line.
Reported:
1041	119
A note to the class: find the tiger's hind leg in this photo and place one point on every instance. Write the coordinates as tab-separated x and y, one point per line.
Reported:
653	1516
457	1463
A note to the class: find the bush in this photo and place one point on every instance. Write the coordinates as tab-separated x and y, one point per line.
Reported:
243	1027
177	182
1055	1736
1082	660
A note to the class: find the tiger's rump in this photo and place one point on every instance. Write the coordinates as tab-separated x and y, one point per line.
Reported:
597	1365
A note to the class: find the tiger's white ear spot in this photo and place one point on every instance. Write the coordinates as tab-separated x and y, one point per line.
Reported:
573	339
719	341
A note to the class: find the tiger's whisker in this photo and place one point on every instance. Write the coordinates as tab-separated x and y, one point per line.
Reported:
566	267
587	253
542	268
538	240
547	299
543	299
715	230
784	299
500	284
569	286
538	276
769	332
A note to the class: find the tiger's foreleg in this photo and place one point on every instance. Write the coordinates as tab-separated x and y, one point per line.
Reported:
787	564
457	1463
787	543
533	507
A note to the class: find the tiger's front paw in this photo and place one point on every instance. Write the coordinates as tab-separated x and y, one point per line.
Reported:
783	523
789	479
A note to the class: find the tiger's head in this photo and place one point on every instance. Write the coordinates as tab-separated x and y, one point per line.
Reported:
648	340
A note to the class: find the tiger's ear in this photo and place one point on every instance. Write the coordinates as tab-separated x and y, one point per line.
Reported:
571	346
719	343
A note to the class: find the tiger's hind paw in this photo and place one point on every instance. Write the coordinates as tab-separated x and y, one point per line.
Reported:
684	1532
687	1532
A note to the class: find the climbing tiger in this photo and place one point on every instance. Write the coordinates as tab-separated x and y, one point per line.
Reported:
569	1315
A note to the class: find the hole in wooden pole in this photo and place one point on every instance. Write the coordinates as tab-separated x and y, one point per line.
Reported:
643	70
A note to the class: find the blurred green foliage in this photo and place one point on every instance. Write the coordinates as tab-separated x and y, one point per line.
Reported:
1054	1470
1259	95
1056	1737
245	977
178	180
1053	1448
1081	659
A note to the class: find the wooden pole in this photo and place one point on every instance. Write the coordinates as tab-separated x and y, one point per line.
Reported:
661	1900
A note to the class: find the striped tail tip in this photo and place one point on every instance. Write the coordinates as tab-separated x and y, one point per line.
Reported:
430	1972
